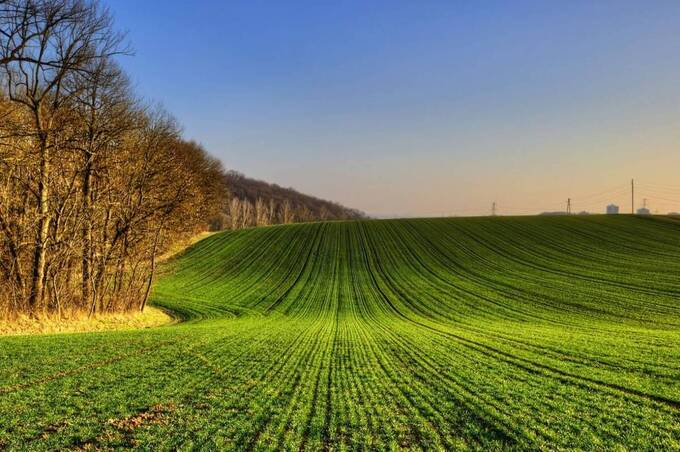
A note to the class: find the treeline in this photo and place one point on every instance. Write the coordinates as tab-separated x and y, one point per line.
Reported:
94	184
257	203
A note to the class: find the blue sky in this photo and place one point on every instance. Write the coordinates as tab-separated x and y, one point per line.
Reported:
424	107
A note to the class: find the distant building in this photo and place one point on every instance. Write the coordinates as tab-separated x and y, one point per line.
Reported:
612	209
643	211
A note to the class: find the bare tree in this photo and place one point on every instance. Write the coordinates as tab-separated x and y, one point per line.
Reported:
247	214
235	213
271	211
324	214
261	213
287	213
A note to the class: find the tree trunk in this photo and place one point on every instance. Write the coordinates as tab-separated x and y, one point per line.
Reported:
87	231
40	254
153	268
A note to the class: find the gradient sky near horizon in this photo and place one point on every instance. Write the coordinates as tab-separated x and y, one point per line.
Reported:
425	108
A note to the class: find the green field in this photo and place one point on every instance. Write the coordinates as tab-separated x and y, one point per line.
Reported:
481	333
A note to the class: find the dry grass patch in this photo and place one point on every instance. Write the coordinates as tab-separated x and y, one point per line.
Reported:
151	317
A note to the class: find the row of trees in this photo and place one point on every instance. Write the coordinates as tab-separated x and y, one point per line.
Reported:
252	202
93	184
242	213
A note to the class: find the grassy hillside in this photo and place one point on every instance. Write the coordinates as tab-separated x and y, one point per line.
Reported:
439	333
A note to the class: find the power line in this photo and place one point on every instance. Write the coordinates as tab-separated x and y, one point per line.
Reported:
608	192
660	186
659	198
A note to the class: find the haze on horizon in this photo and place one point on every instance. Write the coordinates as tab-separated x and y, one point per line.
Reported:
425	108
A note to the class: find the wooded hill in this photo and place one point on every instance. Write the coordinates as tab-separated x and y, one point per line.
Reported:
254	202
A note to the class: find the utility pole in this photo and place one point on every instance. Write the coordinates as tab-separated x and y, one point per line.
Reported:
569	205
632	196
493	209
